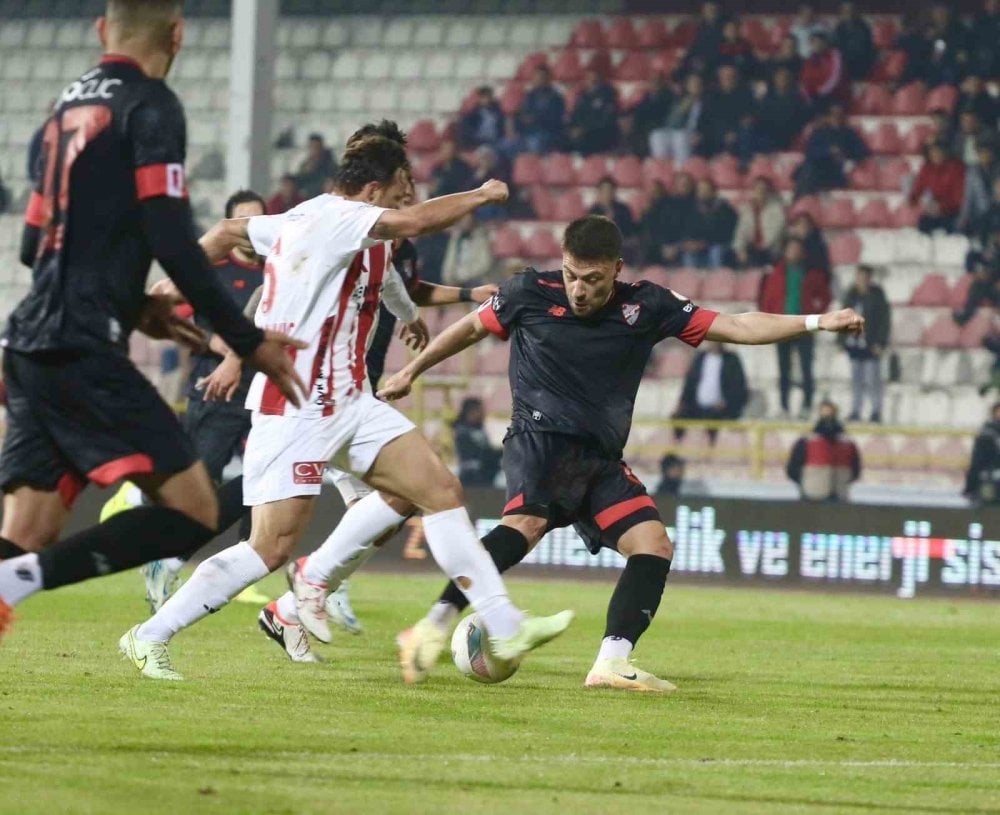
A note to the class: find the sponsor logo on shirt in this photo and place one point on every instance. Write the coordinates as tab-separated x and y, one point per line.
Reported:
308	472
558	311
630	311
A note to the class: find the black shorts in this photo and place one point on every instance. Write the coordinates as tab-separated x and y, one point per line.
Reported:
218	431
568	480
74	417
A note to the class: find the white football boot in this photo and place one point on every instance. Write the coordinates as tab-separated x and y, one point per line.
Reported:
290	636
151	658
339	611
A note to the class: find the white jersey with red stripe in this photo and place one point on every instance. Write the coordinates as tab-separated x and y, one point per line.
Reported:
321	268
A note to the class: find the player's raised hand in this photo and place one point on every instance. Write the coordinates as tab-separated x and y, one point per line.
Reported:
845	321
273	359
158	321
480	294
223	382
225	236
496	192
395	387
415	335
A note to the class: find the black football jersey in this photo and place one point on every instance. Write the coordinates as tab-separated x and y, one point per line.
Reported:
580	376
115	138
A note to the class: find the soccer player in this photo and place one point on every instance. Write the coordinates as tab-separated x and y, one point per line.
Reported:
580	342
315	284
111	197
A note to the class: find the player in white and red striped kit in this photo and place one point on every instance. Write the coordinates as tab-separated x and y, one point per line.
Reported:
315	283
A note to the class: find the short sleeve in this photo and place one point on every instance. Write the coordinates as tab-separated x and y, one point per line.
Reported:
158	136
348	224
263	231
679	317
501	312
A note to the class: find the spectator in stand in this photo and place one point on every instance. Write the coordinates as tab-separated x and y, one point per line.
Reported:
787	57
975	96
540	117
793	287
984	55
853	38
830	148
484	124
804	26
593	124
982	481
707	232
671	475
704	51
941	67
804	227
938	189
914	43
727	109
945	28
478	460
662	224
823	78
316	167
608	205
941	128
825	463
451	174
866	349
761	226
715	387
648	116
778	116
979	182
286	197
489	164
468	259
984	265
736	51
680	136
970	133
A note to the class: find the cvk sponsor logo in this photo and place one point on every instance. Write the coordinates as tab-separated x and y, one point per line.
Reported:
308	472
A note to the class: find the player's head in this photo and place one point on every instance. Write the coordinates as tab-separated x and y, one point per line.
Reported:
245	204
386	128
150	29
374	169
592	260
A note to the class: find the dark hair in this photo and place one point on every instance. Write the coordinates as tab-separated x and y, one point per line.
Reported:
386	128
484	90
371	158
469	403
593	237
243	197
606	179
315	137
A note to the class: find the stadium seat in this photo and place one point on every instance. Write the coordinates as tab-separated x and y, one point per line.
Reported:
696	167
591	171
686	282
748	285
634	68
916	137
542	203
933	290
845	249
527	169
627	172
942	333
905	215
526	70
652	33
658	169
913	454
864	176
907	332
568	67
541	243
666	62
672	362
493	358
719	286
660	275
568	207
837	213
875	100
884	33
622	34
423	136
428	33
883	139
943	97
510	98
982	325
756	33
683	34
950	250
557	170
725	172
588	34
423	168
506	243
909	100
808	203
892	173
874	214
960	292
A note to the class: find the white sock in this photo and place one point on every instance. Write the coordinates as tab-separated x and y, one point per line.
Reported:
615	648
349	545
443	614
214	583
20	577
173	564
457	549
287	611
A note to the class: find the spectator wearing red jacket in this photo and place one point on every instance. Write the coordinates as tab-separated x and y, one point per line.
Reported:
793	288
825	463
287	197
823	77
939	189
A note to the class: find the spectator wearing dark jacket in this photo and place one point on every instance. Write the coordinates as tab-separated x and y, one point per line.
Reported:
825	463
484	124
662	224
704	51
977	194
715	387
866	349
984	56
853	38
451	173
478	460
804	227
786	57
540	116
823	77
608	205
727	109
736	51
779	115
794	288
649	114
829	148
593	125
913	42
708	229
982	481
976	97
681	132
316	167
938	189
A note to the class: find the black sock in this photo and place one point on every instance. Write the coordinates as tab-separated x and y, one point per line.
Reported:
636	597
506	546
127	540
231	510
9	549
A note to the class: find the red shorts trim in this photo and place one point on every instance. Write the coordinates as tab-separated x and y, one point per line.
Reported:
488	317
155	180
696	329
34	215
69	487
112	471
514	503
616	512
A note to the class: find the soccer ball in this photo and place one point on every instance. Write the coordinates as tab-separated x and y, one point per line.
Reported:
470	648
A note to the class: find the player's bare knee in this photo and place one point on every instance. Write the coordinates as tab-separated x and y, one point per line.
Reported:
447	493
398	505
531	526
30	538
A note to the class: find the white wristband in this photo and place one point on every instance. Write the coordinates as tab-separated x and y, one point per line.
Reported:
812	322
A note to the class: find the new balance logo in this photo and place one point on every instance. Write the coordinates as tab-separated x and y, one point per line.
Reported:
558	311
24	573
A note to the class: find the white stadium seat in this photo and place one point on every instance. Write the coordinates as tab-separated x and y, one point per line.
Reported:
13	34
460	34
502	66
398	33
446	97
41	34
367	32
215	34
348	96
378	65
286	66
440	65
492	32
305	34
407	65
335	35
316	65
524	33
468	66
348	65
428	34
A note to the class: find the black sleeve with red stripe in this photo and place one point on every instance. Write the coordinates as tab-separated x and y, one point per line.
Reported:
500	313
157	133
679	317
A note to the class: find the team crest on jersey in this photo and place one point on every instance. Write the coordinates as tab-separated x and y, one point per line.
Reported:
630	311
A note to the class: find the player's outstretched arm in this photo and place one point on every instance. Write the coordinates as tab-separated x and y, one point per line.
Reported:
438	213
434	294
225	236
759	328
456	337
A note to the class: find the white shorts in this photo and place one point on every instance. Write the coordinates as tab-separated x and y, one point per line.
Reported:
286	456
351	489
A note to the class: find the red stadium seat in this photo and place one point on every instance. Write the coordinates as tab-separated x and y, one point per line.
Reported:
755	32
874	215
542	244
526	70
423	167
845	249
913	454
510	97
783	170
665	62
527	169
672	362
905	215
627	172
837	213
630	97
909	100
658	169
588	34
591	171
808	203
884	33
696	167
567	67
568	207
542	203
686	282
557	170
638	203
932	291
506	243
864	176
892	173
875	100
761	167
634	68
725	172
942	333
883	139
423	137
943	97
660	275
890	68
916	137
748	286
978	328
683	35
719	285
493	358
960	292
652	33
622	34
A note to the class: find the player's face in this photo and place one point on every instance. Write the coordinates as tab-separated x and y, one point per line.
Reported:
589	283
394	194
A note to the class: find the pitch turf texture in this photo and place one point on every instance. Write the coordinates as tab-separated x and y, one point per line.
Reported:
789	702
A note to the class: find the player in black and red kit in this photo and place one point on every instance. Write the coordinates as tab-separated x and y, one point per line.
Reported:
112	197
580	341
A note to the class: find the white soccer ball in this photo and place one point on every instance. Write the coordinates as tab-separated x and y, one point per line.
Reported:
470	648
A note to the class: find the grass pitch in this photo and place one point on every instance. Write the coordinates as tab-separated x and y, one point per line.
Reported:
789	702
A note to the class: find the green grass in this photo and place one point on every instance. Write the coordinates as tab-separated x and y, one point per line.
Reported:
789	702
